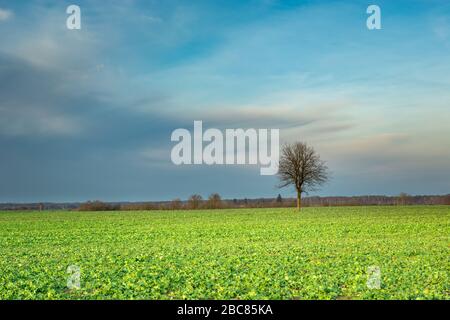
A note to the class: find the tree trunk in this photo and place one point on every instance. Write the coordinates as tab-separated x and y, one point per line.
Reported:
299	200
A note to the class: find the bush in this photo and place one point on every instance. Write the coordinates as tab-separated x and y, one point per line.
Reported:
195	201
214	201
176	204
97	206
139	207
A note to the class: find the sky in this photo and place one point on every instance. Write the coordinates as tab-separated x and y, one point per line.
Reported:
88	114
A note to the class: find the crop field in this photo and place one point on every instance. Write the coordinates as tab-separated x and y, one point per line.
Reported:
320	253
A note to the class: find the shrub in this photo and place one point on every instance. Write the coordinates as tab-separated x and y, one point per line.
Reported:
176	204
214	201
195	201
97	206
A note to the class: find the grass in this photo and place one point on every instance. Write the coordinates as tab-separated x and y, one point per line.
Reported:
320	253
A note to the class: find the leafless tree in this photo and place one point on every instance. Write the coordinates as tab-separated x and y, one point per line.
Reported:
403	199
194	201
302	167
176	204
214	201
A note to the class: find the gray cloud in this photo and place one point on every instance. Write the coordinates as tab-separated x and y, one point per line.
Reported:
33	101
84	116
5	14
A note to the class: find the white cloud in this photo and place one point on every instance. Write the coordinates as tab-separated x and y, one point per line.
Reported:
441	28
5	14
32	122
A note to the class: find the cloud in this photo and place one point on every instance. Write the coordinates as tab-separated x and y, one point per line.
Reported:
286	118
441	27
36	123
5	14
35	101
383	154
152	19
51	85
89	114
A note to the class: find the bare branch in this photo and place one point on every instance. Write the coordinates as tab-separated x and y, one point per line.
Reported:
302	167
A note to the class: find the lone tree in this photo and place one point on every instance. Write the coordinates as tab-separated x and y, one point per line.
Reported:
302	167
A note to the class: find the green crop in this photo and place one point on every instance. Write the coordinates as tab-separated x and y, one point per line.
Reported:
319	253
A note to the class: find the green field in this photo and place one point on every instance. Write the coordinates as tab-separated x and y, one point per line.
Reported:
320	253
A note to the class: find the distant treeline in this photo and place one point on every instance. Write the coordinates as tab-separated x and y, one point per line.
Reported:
214	201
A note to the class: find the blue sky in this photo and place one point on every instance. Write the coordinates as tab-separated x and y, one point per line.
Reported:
87	114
